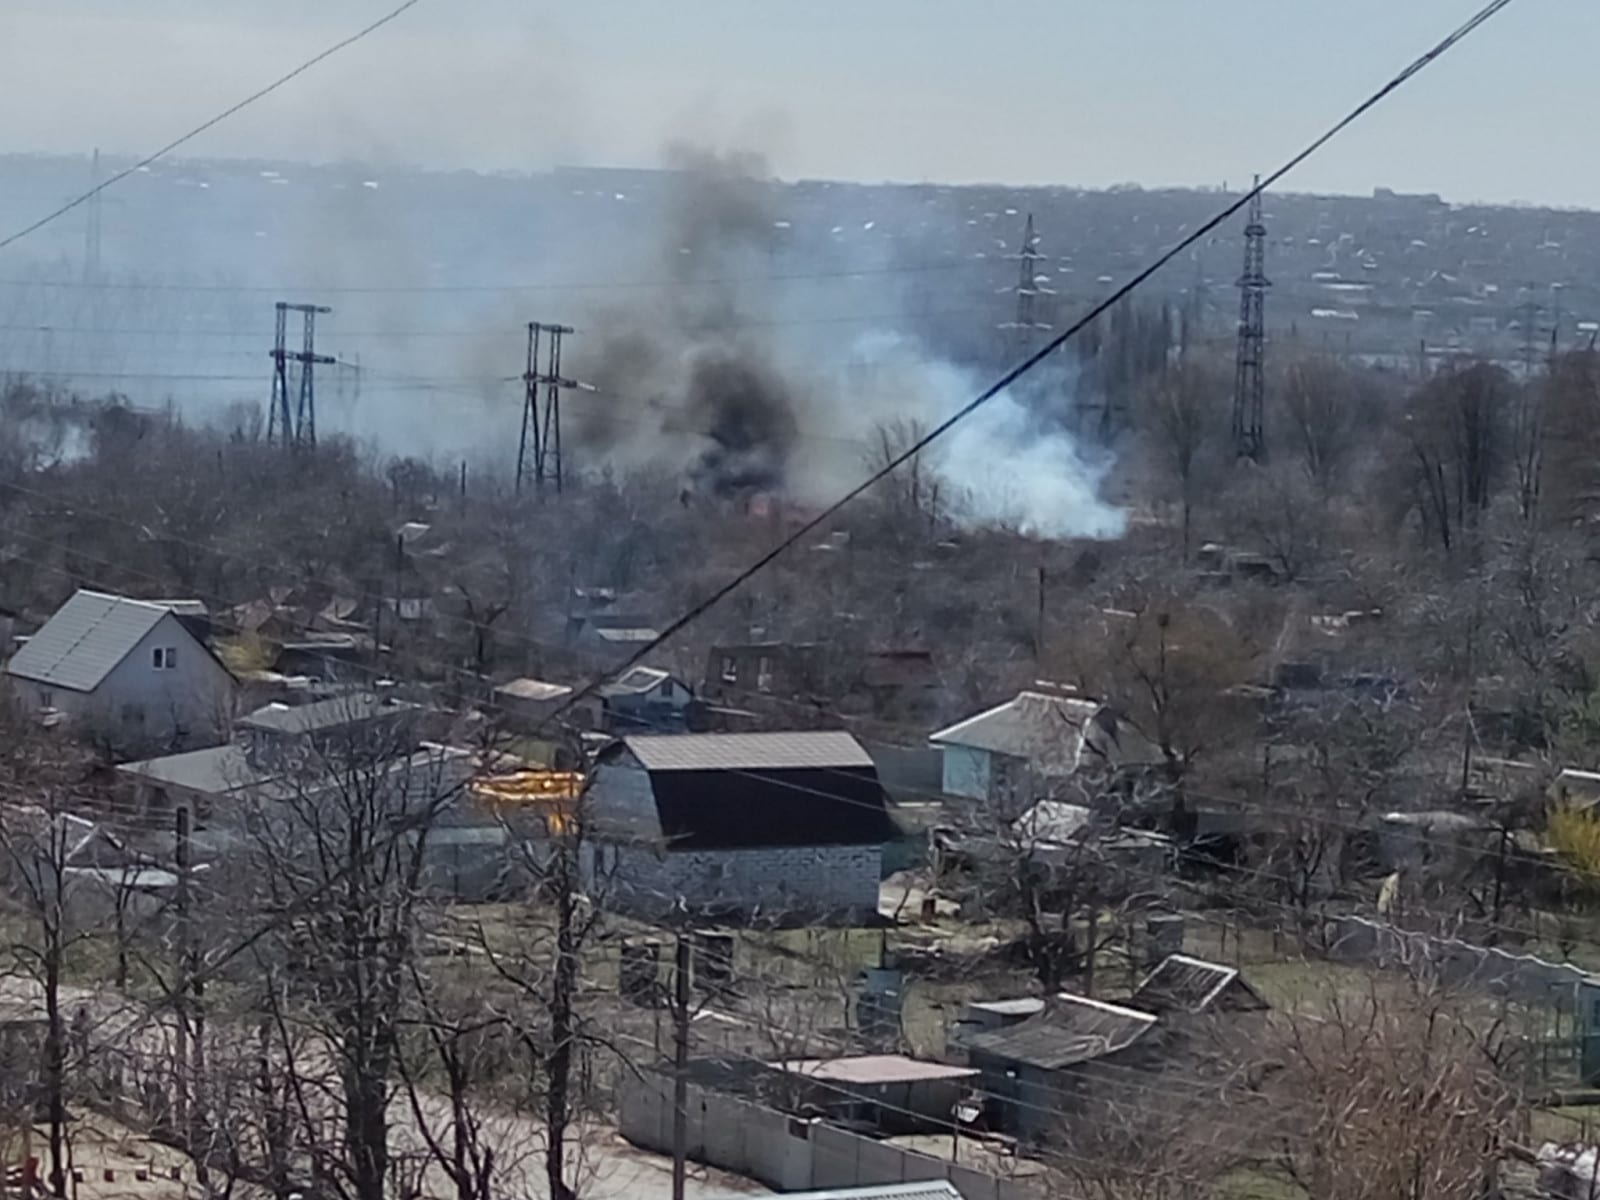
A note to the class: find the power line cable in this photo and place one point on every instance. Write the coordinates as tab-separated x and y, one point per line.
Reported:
1050	347
205	125
597	285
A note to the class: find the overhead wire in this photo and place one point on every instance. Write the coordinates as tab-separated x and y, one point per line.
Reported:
259	94
988	394
684	282
1055	343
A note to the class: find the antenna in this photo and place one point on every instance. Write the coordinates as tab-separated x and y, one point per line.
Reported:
1249	382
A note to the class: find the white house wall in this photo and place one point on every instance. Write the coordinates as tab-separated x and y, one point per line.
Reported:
782	882
140	700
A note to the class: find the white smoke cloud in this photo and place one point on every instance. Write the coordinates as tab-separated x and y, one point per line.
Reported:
1011	463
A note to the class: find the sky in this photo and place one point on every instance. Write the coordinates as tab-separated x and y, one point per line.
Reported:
1076	92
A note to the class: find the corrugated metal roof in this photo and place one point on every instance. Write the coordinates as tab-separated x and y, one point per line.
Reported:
85	640
1071	1030
748	751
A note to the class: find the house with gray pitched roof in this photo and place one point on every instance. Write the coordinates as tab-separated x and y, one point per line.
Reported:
132	671
1008	754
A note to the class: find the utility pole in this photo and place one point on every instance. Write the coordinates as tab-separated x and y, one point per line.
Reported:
541	420
1026	321
182	855
1249	382
297	427
530	403
680	1063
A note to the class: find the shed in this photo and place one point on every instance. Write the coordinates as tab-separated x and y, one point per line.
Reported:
1038	1067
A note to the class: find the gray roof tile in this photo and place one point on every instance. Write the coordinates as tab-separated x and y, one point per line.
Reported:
85	640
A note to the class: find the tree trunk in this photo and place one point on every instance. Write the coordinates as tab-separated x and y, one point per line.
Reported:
55	1060
558	1065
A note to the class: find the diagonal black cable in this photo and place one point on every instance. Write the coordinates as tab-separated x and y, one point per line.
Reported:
1028	364
216	120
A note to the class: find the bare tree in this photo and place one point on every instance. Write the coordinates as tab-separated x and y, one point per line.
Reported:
1457	431
338	848
1397	1092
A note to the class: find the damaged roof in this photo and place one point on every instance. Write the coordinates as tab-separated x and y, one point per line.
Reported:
1184	984
1072	1029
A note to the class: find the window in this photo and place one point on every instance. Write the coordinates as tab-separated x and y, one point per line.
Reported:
730	672
46	699
164	658
764	674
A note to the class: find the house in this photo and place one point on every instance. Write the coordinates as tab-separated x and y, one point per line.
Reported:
1005	753
644	699
130	670
277	750
1047	1064
1181	984
736	673
778	827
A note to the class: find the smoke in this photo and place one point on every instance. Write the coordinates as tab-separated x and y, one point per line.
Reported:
715	379
682	379
1012	463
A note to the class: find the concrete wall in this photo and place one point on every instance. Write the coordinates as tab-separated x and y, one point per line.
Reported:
138	703
784	1152
814	882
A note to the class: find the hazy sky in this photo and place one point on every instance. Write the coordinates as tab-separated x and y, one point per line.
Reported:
1087	92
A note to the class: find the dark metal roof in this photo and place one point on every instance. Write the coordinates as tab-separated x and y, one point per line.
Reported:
85	640
746	791
737	810
1185	984
748	751
1071	1030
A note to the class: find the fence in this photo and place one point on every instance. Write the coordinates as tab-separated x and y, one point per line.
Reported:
789	1153
1521	976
